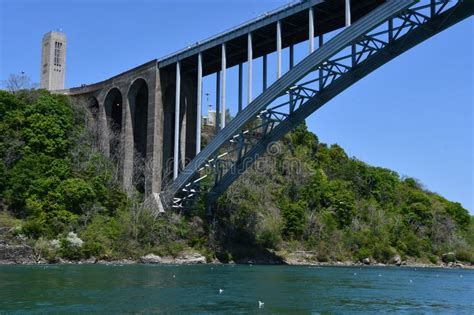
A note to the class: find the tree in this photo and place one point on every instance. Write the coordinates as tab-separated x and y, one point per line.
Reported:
18	82
294	218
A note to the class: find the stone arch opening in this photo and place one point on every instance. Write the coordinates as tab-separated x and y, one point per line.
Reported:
138	101
113	110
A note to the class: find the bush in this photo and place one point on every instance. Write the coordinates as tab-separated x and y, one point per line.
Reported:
363	253
433	259
70	251
465	255
449	257
383	253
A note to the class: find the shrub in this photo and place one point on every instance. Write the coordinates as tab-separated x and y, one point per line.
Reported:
363	253
70	250
465	255
383	252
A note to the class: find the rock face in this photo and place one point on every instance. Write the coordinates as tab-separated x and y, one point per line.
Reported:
300	258
191	258
16	254
151	259
183	259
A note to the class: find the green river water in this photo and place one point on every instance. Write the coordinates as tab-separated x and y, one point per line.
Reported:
171	289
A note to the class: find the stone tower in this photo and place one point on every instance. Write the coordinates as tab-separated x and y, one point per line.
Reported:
53	61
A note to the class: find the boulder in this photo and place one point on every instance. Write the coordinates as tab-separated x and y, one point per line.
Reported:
183	259
191	258
151	259
396	260
366	261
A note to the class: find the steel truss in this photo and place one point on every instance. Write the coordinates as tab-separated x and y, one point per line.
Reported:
379	37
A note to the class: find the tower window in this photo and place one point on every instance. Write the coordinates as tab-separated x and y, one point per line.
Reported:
58	53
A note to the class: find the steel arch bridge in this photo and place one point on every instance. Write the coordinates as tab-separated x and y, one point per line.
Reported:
386	32
148	119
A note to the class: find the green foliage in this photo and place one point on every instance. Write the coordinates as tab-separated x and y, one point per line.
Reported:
44	184
323	201
69	251
48	124
294	219
464	254
458	213
270	234
340	207
341	200
74	193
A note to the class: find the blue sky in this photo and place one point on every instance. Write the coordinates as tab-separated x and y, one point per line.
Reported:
414	115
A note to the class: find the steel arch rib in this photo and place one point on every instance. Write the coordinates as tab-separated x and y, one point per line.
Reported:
317	102
336	81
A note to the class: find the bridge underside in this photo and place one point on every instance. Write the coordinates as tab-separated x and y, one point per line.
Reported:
328	16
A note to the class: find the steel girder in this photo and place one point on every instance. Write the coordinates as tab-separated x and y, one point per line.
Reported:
374	40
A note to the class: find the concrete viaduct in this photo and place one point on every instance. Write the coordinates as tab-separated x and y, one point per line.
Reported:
134	113
149	118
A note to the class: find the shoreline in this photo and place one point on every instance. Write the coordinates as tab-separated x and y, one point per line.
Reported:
93	261
25	255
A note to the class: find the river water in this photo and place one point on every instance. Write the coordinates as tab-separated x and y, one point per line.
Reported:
195	289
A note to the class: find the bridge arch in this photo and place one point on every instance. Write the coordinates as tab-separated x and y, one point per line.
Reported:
114	111
138	101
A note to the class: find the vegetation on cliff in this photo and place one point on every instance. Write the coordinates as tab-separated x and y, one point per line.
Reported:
303	196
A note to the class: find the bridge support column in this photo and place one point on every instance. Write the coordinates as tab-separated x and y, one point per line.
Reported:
292	55
321	43
278	49
102	127
240	87
291	62
127	144
223	78
348	12
218	101
199	106
264	74
154	142
176	121
311	29
249	61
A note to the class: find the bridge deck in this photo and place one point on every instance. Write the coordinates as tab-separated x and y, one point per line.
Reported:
328	16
